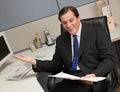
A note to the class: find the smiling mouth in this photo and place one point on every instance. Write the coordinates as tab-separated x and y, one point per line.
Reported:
70	30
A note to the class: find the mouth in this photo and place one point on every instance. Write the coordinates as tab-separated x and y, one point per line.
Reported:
70	29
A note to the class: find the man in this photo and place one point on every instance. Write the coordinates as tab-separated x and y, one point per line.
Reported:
94	54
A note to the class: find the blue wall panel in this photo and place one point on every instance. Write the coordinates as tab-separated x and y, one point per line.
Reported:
18	12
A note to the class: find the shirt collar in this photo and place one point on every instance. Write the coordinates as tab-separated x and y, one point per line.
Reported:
79	30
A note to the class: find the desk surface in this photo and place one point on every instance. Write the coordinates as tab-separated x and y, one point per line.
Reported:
29	83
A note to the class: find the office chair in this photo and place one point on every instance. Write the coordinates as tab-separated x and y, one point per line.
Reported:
110	81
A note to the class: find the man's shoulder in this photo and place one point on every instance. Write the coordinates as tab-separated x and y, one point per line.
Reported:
63	35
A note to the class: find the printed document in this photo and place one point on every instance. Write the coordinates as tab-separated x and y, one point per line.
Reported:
72	77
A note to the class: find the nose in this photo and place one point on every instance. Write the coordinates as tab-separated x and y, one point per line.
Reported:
68	24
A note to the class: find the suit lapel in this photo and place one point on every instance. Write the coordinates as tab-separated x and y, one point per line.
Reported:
68	47
83	40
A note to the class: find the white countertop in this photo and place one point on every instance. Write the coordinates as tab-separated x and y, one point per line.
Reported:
29	83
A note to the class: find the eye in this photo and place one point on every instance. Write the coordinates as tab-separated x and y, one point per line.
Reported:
64	23
71	20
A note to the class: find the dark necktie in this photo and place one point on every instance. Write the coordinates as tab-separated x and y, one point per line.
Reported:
75	57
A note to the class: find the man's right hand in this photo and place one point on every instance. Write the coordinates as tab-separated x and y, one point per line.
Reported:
25	58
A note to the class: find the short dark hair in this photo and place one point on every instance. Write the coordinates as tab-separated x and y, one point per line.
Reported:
66	9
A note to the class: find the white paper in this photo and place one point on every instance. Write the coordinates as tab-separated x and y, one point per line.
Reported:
68	76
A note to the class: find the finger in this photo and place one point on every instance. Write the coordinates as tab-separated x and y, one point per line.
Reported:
22	55
15	56
88	82
18	57
89	75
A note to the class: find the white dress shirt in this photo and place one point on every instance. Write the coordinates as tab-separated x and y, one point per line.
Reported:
78	38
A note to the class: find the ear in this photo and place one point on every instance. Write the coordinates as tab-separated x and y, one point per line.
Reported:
79	18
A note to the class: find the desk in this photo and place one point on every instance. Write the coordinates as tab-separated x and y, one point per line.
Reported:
29	83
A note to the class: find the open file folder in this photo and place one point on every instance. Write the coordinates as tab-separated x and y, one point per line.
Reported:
68	76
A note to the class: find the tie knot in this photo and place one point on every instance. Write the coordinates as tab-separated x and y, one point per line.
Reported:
74	36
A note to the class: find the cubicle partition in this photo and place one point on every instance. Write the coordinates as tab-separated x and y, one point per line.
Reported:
22	19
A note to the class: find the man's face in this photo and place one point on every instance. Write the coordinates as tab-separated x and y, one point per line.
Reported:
70	22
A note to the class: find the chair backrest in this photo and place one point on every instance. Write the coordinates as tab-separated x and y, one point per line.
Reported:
99	21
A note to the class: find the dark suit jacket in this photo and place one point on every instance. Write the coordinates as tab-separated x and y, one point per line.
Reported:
95	53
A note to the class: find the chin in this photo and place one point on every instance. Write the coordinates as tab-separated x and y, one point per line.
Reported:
73	32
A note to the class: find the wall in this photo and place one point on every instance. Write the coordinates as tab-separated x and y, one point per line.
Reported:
21	36
115	6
